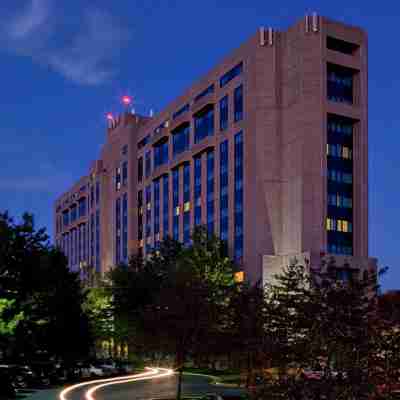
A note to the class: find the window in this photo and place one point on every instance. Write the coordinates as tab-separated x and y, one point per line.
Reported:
231	74
82	207
65	219
143	142
148	163
223	113
165	205
341	46
140	214
97	193
74	214
140	169
118	231
175	203
160	154
210	192
91	196
97	240
156	226
117	178
148	211
238	103
124	173
180	139
203	124
197	190
204	93
224	180
238	198
92	239
186	206
340	84
340	176
339	151
125	227
181	111
339	225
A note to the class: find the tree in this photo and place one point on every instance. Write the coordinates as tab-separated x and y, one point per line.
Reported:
35	277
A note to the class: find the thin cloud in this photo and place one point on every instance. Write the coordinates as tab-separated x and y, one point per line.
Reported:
33	17
85	55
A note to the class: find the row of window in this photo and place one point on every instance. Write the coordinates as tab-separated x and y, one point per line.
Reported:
224	80
340	84
338	225
338	200
183	175
340	176
339	151
340	127
340	249
203	127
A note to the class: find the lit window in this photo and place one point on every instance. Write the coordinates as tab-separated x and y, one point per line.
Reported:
177	210
186	206
340	225
239	276
140	210
148	206
345	226
329	224
141	243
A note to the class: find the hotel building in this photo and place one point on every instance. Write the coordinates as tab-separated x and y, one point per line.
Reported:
269	150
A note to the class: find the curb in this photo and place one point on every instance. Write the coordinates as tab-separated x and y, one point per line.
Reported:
215	380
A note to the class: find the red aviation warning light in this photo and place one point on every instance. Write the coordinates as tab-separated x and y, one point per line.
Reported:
126	100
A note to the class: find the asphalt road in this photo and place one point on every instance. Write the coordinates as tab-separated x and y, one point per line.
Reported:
155	388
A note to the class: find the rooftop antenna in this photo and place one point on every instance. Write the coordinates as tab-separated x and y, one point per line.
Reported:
151	112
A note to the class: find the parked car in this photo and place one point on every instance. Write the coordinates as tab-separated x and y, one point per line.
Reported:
109	367
91	371
7	388
124	367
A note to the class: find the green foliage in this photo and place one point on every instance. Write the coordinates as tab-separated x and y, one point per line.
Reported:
35	277
8	324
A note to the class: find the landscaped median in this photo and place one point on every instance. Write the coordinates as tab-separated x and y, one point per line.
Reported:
225	378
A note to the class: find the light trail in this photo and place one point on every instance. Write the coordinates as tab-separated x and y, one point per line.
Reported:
159	374
149	374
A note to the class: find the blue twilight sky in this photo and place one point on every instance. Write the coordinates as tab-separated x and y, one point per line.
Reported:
65	63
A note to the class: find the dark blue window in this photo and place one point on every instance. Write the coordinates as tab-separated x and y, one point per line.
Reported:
160	154
82	207
340	84
165	206
118	231
91	196
148	163
180	139
231	74
197	190
84	242
140	215
238	214
186	203
238	103
156	227
181	111
203	124
97	240
74	213
175	203
204	93
224	181
340	185
143	142
92	240
148	211
124	173
97	193
65	218
223	113
125	228
140	169
210	191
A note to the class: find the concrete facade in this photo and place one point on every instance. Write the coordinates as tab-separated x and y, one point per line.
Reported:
286	107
